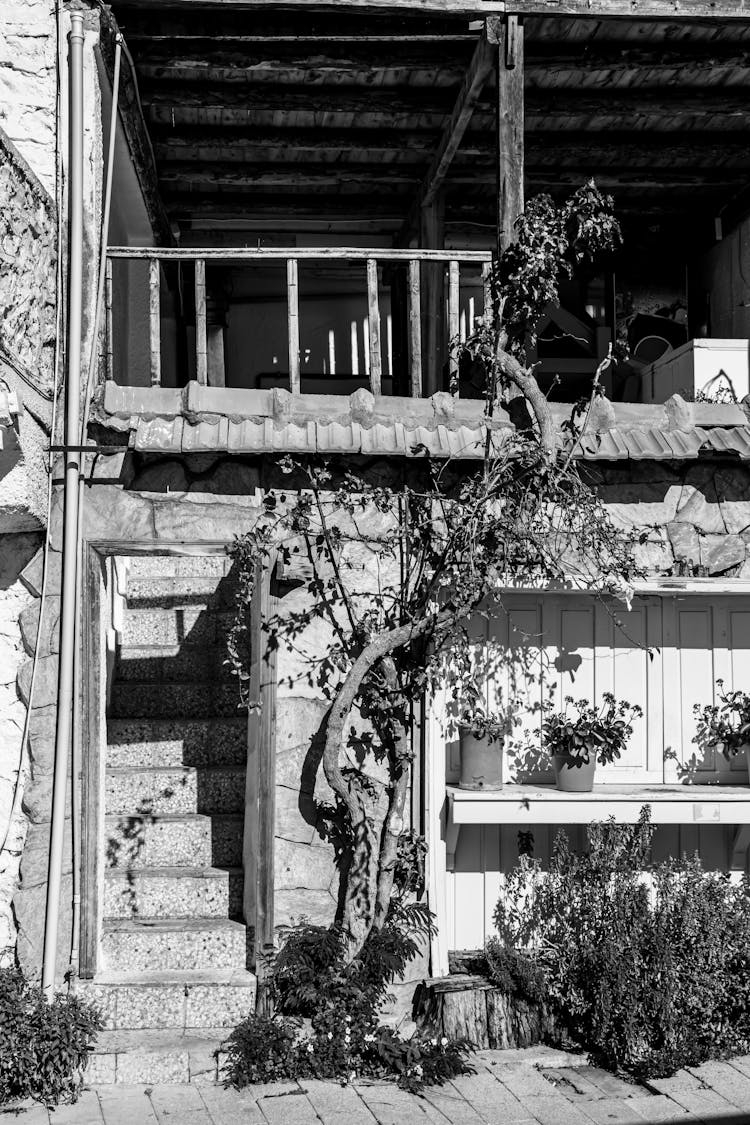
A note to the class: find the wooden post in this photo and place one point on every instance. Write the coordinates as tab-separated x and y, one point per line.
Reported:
154	292
396	277
373	317
433	308
453	318
201	339
415	330
487	291
292	305
92	764
109	372
510	126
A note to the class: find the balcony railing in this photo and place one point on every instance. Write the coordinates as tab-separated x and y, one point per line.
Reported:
370	260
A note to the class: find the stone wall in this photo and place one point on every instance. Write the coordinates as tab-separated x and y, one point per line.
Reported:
15	553
27	290
28	83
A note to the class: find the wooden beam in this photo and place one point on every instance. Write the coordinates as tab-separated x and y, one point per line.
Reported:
292	303
154	290
432	236
373	320
415	330
510	128
477	74
678	10
201	340
478	71
134	129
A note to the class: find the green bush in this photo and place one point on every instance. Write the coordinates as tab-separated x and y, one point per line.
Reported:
312	980
44	1047
647	965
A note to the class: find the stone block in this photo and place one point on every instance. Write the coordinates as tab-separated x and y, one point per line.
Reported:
189	893
45	682
299	866
35	859
290	907
42	740
630	505
214	943
212	1005
32	575
719	557
702	510
685	543
193	701
110	512
18	550
148	743
37	799
655	555
138	841
733	491
29	906
175	791
290	824
218	522
28	621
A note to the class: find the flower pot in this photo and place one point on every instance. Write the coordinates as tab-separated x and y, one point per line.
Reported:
481	762
572	775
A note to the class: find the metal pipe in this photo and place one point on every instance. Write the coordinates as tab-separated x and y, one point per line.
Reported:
68	608
75	771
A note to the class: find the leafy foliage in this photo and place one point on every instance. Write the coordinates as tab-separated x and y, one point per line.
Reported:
44	1047
341	999
600	732
726	725
646	963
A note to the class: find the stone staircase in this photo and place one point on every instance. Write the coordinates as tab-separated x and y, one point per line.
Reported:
174	950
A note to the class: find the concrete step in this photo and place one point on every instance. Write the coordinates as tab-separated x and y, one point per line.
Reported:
156	1057
178	591
135	842
163	566
155	944
215	998
170	625
173	663
184	700
173	790
135	743
173	892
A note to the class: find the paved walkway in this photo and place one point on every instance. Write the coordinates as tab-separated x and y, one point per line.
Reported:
534	1087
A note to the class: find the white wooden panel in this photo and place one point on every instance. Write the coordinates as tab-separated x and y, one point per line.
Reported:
696	679
739	663
468	882
575	656
624	667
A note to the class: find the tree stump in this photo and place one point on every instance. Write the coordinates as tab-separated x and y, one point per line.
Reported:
470	1007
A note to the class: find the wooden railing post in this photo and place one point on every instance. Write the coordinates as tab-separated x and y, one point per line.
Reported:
154	292
453	318
373	317
415	329
109	369
201	331
292	301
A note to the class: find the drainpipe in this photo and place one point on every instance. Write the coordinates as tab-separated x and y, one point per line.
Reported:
68	607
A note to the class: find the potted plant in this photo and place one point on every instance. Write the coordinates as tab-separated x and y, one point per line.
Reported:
582	734
481	739
725	725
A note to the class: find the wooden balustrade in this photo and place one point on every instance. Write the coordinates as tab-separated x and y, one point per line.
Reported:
372	260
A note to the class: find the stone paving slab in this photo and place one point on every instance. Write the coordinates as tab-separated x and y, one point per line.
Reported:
509	1088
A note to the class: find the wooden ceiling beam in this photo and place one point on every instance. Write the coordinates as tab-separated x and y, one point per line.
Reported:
678	10
134	129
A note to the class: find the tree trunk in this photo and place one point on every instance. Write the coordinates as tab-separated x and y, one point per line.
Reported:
362	881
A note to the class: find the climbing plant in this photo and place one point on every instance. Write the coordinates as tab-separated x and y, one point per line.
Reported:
398	567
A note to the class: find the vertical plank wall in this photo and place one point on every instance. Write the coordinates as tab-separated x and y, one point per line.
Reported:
665	655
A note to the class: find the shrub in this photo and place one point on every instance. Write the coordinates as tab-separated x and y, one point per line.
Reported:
44	1047
261	1050
649	971
311	979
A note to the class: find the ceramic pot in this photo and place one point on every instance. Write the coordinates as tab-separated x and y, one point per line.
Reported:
572	775
481	762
